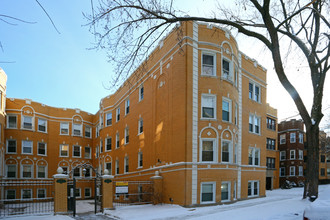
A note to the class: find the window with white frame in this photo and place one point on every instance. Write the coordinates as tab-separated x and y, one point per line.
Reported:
118	114
282	171
11	147
254	156
253	188
78	193
226	109
42	125
292	171
140	159
208	153
282	155
41	171
64	150
77	129
254	92
108	143
141	93
208	192
226	70
41	193
10	194
97	152
126	106
301	170
126	164
208	64
88	131
101	146
97	130
88	192
292	137
270	144
64	128
225	191
27	147
26	194
208	106
301	138
11	170
282	139
236	75
292	154
27	171
11	121
226	152
76	172
27	122
254	124
108	119
117	140
301	155
42	149
117	166
88	152
140	128
76	151
236	114
108	166
101	120
126	135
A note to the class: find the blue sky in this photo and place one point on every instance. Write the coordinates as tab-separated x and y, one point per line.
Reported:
59	70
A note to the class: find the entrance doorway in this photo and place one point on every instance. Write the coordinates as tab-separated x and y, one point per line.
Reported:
269	181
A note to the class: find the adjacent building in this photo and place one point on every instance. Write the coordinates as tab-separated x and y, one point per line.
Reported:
195	111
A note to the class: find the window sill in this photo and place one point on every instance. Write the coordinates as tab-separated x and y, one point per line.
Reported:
45	132
27	129
11	128
208	119
11	153
208	76
64	134
42	155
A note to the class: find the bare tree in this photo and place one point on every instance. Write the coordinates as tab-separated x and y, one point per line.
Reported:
129	28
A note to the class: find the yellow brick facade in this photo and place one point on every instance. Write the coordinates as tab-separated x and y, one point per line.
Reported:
195	111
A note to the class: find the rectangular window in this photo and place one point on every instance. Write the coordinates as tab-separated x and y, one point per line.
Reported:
301	155
141	93
26	171
64	128
88	152
10	194
88	131
41	172
127	107
226	70
253	188
226	110
292	171
117	140
282	139
254	156
64	150
282	171
108	143
26	193
97	130
270	145
87	192
254	92
322	159
109	118
225	152
328	171
322	172
76	172
126	135
11	121
140	159
108	166
236	114
254	124
292	154
270	163
11	171
126	164
208	151
117	167
101	121
301	170
271	124
140	129
42	149
207	192
225	191
76	151
118	114
208	64
282	155
292	137
27	147
301	138
27	122
41	193
208	106
11	146
101	146
78	193
77	129
42	125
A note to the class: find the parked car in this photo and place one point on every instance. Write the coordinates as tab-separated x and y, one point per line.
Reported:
286	185
320	208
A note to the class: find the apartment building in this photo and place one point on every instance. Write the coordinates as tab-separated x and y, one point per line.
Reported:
324	165
195	111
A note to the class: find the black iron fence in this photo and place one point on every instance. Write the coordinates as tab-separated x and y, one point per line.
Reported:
26	196
132	193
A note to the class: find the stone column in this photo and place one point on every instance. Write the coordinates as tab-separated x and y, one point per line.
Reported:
107	190
61	189
158	188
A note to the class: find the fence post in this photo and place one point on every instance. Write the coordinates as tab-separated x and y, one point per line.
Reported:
61	191
107	190
158	188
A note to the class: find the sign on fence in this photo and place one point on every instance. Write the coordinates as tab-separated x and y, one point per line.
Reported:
121	187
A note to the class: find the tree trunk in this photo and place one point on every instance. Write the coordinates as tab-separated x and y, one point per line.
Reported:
312	165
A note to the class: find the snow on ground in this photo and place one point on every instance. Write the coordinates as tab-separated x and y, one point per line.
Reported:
278	204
